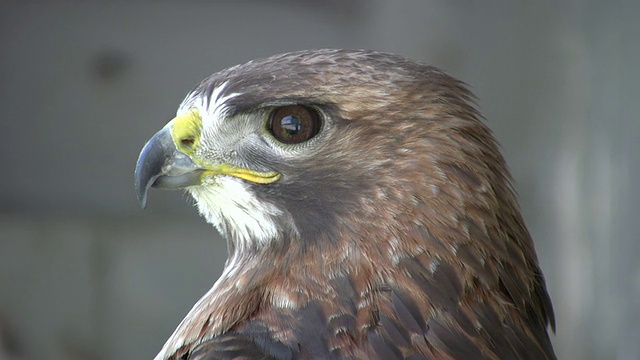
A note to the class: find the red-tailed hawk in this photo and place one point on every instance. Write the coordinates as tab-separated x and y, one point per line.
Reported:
367	210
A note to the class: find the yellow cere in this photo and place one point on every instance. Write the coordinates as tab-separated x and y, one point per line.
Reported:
185	131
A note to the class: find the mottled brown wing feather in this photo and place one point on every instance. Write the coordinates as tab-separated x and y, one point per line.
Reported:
426	313
453	323
234	345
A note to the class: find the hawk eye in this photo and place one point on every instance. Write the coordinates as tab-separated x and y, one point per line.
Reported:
294	124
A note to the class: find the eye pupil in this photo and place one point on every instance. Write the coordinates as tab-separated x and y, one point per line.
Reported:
294	124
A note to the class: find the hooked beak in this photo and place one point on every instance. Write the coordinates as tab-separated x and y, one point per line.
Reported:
168	160
161	165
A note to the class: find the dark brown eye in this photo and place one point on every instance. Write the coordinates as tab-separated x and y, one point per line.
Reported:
294	124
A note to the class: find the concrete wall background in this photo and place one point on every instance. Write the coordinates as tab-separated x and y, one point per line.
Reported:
85	274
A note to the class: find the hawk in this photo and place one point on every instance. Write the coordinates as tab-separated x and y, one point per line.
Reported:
367	210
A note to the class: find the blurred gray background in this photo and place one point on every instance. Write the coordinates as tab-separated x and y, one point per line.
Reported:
86	274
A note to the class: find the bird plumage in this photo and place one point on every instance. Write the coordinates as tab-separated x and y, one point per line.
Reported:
392	233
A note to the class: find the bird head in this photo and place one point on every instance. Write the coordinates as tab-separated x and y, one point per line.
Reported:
379	164
298	145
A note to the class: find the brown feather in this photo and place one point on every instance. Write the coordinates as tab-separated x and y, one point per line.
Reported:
429	257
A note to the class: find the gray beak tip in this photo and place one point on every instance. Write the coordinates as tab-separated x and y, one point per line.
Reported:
142	183
149	166
142	197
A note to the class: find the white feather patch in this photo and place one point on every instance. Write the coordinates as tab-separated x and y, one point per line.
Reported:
228	204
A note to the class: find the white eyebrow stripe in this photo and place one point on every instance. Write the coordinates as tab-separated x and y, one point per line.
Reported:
218	108
212	108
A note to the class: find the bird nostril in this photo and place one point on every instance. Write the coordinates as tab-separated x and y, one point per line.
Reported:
187	142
